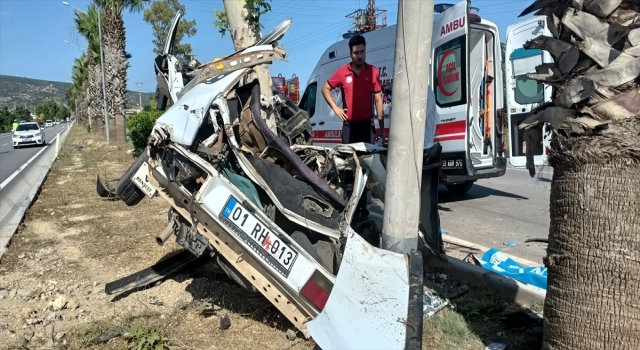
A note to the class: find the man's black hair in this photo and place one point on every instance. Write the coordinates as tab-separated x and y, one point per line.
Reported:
355	41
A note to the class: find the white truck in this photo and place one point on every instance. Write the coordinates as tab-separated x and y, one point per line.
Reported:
466	74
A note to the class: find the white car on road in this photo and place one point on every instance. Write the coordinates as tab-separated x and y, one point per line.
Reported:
48	124
28	134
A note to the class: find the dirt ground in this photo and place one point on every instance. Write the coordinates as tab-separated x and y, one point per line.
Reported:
72	242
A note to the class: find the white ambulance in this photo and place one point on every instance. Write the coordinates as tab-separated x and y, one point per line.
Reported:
467	77
524	94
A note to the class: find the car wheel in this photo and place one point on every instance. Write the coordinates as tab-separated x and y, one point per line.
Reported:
459	189
15	147
125	188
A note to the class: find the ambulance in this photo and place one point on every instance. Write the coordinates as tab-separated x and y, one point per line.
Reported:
466	78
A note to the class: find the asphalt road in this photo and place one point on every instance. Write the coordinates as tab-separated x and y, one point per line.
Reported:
511	208
12	159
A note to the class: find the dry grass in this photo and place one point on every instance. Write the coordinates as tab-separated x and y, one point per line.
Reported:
72	237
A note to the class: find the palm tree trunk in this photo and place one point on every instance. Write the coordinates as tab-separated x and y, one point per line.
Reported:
95	88
116	65
593	257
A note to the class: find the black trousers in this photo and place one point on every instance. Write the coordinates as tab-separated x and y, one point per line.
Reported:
354	132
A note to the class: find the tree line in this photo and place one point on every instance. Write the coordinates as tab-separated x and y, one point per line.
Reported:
51	109
85	96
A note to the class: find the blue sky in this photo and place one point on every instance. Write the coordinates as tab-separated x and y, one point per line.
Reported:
32	34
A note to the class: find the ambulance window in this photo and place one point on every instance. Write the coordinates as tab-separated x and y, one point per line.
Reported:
450	74
308	100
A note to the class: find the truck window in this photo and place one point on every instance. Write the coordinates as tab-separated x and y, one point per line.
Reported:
528	91
450	75
308	100
524	62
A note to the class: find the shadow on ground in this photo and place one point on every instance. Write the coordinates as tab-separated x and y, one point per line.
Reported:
476	192
219	295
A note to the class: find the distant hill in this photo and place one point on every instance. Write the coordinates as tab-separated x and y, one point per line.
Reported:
18	91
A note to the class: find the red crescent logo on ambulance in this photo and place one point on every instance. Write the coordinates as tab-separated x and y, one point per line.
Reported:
441	80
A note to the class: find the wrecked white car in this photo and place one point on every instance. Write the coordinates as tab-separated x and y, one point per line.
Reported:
274	211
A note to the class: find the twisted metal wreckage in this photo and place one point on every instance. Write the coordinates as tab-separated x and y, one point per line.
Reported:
274	211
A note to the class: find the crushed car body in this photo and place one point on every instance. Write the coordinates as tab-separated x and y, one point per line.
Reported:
275	211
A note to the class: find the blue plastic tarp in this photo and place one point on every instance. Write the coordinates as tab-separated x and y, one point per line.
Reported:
499	263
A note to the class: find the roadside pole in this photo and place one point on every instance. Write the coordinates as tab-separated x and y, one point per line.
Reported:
406	130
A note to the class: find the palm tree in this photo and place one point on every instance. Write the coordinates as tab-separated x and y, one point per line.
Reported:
87	25
116	62
593	254
79	90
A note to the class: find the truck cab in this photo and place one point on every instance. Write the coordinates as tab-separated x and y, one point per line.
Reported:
466	78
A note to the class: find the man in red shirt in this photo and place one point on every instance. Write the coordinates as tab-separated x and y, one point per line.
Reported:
360	84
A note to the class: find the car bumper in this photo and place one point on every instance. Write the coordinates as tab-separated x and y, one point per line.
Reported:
27	142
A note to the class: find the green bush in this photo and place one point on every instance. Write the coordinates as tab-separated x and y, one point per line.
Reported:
140	126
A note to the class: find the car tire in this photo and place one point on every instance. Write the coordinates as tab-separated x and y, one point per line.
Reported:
125	188
459	189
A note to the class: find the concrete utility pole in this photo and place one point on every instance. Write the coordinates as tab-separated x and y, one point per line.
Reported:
406	130
140	93
244	36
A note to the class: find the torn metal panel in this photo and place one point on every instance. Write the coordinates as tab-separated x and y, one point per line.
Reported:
377	174
368	306
250	57
184	118
358	186
276	33
256	178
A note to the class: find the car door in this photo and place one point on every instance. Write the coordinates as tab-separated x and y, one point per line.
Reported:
167	76
450	68
524	94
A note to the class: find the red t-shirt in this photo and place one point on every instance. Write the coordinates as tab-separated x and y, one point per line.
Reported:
358	90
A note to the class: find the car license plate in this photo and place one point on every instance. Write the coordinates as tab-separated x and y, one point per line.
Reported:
141	180
269	246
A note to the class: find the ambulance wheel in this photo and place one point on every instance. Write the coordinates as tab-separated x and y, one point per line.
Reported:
459	189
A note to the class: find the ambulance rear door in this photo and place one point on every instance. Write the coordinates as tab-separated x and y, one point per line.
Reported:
450	49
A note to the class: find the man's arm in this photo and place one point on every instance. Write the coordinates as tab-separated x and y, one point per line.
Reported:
326	92
380	113
377	93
